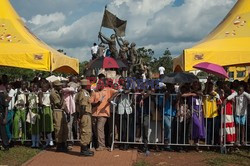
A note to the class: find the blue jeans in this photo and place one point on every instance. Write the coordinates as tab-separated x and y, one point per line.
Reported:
168	120
8	125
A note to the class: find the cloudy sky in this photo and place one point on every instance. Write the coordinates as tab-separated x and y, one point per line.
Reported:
73	25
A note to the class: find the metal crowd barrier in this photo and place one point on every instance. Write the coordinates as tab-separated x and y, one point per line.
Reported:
137	122
138	127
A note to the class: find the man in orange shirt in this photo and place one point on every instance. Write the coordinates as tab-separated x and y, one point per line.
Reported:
101	110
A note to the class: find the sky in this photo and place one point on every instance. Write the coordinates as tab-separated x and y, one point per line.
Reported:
73	25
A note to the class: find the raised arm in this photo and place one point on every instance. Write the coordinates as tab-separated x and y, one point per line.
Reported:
119	41
188	94
232	96
104	39
247	95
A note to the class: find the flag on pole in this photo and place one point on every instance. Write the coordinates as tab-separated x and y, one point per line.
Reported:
111	21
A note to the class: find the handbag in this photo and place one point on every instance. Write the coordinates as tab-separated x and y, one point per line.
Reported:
31	117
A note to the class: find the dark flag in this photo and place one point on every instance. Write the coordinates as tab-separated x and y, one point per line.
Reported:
111	21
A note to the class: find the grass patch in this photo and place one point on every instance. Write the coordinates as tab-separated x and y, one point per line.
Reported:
17	155
241	158
141	163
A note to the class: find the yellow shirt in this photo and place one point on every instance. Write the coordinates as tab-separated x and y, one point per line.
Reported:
210	108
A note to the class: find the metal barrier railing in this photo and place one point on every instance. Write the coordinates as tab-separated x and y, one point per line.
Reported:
160	122
170	120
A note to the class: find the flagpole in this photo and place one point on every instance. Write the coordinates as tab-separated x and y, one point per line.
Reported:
103	15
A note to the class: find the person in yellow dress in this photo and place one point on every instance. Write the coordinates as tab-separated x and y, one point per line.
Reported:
211	114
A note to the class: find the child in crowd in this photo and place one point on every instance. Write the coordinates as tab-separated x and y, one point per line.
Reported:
11	99
184	115
33	107
195	103
211	115
46	113
20	114
241	102
228	124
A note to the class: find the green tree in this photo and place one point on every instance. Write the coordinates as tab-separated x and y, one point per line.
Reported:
166	61
14	73
145	54
18	73
83	67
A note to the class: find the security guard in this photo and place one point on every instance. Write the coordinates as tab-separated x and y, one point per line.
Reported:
85	112
60	117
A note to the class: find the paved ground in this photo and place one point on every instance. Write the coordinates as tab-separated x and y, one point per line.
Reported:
173	158
117	157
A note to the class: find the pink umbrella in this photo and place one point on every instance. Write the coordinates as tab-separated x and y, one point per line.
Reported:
212	69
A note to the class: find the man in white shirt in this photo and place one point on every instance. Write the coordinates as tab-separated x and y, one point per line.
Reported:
94	50
161	70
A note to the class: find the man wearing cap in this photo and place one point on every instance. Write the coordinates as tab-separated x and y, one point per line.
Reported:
60	117
85	111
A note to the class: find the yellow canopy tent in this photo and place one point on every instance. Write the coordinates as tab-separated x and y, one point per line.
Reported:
228	44
20	48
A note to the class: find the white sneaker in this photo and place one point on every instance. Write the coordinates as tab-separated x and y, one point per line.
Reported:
51	143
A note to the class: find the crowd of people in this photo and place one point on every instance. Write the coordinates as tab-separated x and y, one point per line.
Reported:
57	111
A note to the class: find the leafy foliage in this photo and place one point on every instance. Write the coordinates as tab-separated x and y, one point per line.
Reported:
165	60
145	54
14	73
83	67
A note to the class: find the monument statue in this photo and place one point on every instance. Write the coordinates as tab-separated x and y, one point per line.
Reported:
133	53
111	43
124	48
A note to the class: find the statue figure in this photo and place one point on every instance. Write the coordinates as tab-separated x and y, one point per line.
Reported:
133	53
149	71
137	67
101	50
124	48
111	43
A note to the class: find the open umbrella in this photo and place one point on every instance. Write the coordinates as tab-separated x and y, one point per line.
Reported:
179	77
106	63
212	69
